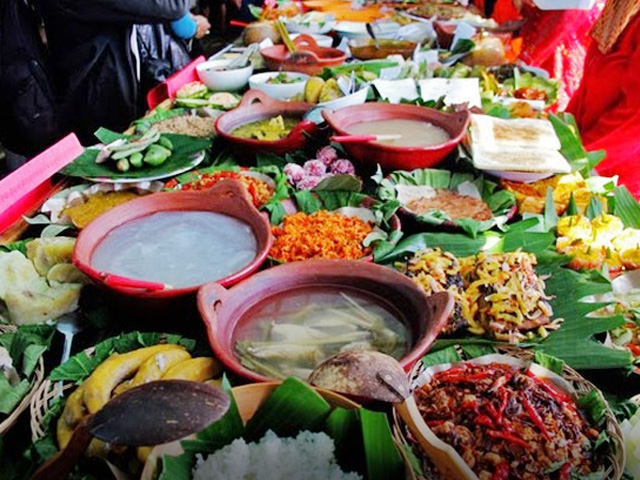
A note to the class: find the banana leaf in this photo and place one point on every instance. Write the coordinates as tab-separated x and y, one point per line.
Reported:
501	202
186	152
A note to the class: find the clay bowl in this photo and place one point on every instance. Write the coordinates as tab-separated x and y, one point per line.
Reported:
223	311
310	58
257	105
398	157
369	49
227	197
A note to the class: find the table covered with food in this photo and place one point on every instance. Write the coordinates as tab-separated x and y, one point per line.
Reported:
357	243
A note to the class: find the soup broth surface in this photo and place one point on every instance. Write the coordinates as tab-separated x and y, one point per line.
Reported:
415	133
181	248
292	332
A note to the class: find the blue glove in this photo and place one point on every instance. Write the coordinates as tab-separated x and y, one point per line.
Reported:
185	27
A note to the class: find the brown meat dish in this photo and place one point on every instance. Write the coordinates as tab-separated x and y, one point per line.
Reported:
508	424
453	204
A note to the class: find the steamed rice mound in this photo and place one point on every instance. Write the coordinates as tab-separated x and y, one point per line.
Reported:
309	456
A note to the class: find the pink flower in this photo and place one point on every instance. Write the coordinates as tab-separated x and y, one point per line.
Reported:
315	168
294	172
308	183
327	155
343	166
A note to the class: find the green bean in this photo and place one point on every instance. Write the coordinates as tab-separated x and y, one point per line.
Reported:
165	142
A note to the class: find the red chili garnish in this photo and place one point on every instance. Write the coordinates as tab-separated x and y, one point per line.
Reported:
635	349
554	392
466	377
485	420
495	414
468	404
502	471
565	472
504	400
535	416
452	371
509	437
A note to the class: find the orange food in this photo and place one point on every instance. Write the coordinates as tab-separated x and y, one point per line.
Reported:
260	191
321	234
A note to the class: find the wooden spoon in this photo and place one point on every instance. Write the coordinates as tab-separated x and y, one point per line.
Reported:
376	376
151	414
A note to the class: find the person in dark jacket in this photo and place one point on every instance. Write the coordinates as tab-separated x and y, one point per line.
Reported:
94	57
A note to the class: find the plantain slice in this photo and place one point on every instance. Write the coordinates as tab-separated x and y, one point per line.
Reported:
154	367
195	369
74	408
116	368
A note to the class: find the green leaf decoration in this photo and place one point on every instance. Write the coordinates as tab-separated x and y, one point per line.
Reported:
383	459
10	395
344	427
437	357
185	149
343	182
501	202
286	416
549	362
550	215
571	144
626	207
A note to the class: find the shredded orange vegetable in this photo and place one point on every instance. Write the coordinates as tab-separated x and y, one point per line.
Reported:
321	234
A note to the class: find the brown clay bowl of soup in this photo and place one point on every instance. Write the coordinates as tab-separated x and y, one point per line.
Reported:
286	320
166	245
424	136
260	124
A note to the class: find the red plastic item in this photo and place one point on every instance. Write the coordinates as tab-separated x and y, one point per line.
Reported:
171	85
31	184
118	281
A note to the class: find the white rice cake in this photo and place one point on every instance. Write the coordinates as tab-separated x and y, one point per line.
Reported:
520	160
491	133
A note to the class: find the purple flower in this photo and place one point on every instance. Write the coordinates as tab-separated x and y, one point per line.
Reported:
315	168
308	182
294	172
327	155
343	166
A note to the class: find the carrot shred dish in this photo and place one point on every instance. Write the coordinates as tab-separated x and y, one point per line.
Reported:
322	234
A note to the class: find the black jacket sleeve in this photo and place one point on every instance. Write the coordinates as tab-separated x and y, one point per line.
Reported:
124	11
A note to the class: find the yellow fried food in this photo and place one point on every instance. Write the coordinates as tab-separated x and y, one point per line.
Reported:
574	226
116	368
74	408
605	228
196	369
157	365
312	89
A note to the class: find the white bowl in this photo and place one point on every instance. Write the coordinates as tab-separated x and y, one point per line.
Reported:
356	98
279	91
309	27
321	40
213	74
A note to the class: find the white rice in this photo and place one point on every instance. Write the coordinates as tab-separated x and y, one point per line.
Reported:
309	456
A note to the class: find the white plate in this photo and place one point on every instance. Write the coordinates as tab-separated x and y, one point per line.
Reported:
523	177
310	27
197	160
564	4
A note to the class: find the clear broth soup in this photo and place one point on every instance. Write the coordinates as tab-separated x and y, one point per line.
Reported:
292	332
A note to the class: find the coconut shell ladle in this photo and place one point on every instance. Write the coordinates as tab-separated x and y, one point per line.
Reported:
151	414
371	375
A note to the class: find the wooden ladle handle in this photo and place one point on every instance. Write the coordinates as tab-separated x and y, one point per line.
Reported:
59	466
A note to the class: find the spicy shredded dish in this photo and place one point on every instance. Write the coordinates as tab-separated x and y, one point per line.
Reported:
322	234
506	423
499	295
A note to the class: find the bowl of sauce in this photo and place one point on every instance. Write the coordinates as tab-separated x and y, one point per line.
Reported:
261	124
309	57
167	245
424	136
288	319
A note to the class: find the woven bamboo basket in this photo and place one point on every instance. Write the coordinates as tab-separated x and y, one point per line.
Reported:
38	376
613	462
40	404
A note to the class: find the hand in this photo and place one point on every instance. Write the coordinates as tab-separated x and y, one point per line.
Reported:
204	27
